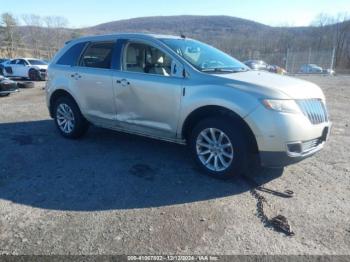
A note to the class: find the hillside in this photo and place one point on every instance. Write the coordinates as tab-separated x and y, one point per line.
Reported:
242	38
192	25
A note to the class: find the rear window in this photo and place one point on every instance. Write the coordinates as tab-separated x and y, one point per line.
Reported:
98	55
72	55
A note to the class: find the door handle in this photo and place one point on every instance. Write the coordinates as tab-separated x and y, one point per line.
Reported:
76	76
123	82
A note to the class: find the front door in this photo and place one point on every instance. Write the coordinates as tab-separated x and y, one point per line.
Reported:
21	68
148	90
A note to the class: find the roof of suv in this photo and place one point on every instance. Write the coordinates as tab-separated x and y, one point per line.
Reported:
119	35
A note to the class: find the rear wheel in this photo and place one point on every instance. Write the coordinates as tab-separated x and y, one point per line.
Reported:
219	147
68	118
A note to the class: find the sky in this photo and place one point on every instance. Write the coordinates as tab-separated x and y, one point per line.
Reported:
81	13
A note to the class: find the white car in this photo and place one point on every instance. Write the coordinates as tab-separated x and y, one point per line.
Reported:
34	69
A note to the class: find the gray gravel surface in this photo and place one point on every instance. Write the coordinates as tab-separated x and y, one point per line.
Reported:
113	193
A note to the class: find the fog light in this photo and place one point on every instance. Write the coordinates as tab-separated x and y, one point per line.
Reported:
295	148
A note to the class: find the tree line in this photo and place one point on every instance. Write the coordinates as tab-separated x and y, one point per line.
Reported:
37	36
42	36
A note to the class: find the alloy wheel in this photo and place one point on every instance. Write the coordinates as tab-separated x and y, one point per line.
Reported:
214	149
65	118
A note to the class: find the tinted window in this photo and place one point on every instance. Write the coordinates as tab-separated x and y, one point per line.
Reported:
98	55
72	55
13	62
21	62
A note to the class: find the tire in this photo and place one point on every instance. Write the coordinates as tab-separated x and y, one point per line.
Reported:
25	84
76	126
230	155
34	75
4	95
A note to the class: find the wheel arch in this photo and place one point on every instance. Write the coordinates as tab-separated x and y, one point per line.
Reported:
57	94
218	111
31	69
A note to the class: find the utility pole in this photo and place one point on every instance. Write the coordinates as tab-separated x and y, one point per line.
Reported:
286	62
332	60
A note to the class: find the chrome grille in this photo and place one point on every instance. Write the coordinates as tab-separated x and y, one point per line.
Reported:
314	110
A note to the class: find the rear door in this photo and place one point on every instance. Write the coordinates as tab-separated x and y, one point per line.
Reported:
92	79
11	67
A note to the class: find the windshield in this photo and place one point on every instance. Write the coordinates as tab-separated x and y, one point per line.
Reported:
204	57
36	62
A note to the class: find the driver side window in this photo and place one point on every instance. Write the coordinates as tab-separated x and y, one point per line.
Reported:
144	58
21	62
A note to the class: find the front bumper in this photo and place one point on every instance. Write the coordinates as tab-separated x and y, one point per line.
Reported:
290	156
284	139
43	74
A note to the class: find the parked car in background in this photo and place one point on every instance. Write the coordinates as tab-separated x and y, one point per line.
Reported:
181	90
257	65
2	61
330	72
315	69
310	69
277	69
7	86
34	69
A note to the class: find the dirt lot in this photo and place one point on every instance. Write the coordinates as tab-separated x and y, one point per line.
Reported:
112	193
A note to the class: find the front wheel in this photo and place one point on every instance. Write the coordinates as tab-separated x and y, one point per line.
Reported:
219	147
34	75
68	118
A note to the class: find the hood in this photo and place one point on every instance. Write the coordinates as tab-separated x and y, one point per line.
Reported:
41	66
288	87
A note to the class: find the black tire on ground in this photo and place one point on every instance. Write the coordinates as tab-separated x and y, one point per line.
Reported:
3	95
236	138
25	84
34	75
81	125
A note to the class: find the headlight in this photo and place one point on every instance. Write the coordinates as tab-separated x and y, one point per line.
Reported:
286	106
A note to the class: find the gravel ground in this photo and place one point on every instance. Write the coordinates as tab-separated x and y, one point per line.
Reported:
113	193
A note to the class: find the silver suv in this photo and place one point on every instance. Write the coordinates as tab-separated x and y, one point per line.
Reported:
184	91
